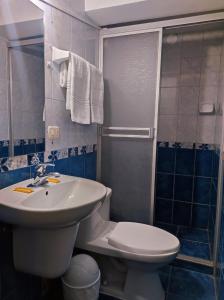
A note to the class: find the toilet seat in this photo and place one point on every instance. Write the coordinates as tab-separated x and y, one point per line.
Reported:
142	239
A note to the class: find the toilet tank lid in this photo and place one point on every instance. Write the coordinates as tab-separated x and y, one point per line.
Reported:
142	239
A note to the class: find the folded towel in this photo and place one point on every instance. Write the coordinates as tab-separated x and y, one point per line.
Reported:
78	89
96	95
63	74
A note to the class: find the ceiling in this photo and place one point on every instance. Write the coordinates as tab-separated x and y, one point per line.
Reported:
105	12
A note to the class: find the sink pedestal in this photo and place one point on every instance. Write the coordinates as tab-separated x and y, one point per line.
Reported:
44	252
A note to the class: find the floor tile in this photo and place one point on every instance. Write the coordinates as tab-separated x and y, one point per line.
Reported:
191	285
195	249
193	234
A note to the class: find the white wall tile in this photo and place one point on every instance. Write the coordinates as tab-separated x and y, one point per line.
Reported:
206	129
167	128
170	80
191	45
188	101
186	128
208	94
168	101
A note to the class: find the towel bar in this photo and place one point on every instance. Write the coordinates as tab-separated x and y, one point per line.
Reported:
149	132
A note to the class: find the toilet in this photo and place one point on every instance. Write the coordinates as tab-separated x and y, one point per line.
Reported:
129	254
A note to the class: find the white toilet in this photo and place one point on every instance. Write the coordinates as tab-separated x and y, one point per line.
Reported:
129	254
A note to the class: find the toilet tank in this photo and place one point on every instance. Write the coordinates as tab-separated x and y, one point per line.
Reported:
91	226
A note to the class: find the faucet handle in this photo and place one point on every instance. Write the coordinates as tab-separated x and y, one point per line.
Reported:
41	169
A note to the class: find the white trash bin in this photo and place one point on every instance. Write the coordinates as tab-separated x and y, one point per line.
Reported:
82	280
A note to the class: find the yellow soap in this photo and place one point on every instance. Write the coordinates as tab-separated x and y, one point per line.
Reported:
23	190
53	180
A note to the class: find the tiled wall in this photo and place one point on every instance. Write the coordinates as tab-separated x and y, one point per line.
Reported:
67	33
184	184
187	162
4	113
191	73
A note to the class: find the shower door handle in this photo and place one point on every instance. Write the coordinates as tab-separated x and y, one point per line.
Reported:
128	132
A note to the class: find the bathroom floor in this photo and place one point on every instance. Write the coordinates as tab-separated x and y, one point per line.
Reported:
194	242
182	284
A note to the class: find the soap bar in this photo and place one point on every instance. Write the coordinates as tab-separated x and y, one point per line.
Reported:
53	180
23	190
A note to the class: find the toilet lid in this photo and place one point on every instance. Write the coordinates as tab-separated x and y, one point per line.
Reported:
142	239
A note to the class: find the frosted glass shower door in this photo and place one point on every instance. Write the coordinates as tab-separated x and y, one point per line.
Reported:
131	66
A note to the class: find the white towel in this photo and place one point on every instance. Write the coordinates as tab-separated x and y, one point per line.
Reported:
59	56
63	74
78	89
96	95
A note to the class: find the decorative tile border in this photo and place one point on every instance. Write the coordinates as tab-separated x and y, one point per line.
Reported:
177	145
22	161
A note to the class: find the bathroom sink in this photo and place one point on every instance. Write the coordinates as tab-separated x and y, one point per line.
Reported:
51	205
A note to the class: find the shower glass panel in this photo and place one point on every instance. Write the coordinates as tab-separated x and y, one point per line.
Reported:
131	71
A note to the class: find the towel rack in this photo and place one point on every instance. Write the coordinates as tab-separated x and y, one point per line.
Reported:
134	132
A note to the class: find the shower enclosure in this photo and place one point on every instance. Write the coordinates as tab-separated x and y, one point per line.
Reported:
160	145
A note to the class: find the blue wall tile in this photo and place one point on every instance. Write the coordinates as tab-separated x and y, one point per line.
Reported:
165	159
90	166
12	177
62	166
163	210
185	161
76	166
164	185
182	213
202	190
203	163
183	188
200	216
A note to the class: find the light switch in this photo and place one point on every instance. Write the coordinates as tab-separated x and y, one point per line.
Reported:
53	132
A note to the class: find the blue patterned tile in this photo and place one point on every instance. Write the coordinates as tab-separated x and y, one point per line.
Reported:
182	213
183	188
191	285
203	164
185	161
35	158
73	151
4	148
165	160
200	216
164	210
202	190
195	249
164	186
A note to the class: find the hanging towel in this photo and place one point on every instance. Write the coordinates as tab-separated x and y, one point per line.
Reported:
63	74
78	89
96	95
60	57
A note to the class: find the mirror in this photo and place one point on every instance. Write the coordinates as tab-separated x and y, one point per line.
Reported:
21	78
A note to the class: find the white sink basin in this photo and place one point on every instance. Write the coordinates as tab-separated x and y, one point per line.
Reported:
47	221
54	204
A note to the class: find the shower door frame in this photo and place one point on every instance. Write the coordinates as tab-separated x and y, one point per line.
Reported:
126	32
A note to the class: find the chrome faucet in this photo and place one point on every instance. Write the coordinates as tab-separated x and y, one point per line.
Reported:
41	175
